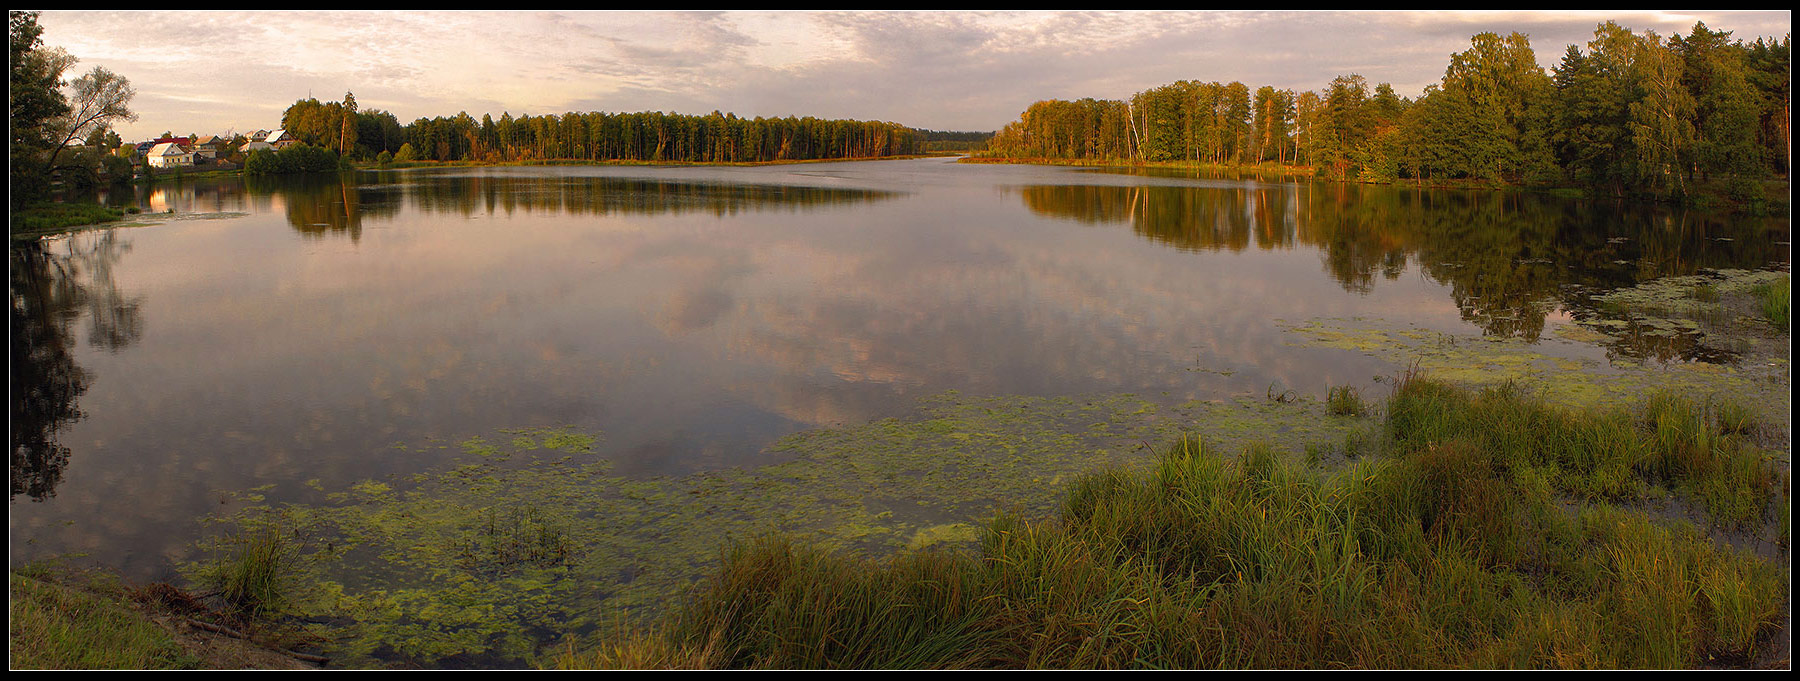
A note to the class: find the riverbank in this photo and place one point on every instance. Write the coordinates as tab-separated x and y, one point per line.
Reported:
65	618
1493	531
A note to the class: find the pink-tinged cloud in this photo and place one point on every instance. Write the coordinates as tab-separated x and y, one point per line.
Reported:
210	72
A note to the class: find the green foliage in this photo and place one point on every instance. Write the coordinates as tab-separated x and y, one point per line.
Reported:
299	158
1629	115
647	136
51	218
34	102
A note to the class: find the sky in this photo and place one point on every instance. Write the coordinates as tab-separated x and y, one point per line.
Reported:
214	72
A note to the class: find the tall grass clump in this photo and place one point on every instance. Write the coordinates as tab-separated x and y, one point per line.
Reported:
1773	298
1456	551
256	571
780	604
1703	449
1344	400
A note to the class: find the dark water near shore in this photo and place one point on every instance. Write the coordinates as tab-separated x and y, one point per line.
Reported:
278	332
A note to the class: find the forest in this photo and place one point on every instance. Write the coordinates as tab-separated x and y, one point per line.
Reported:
1626	114
592	136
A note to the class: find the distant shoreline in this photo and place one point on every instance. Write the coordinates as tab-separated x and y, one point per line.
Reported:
1773	203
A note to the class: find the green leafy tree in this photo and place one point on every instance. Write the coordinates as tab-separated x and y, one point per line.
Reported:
1662	122
96	100
1594	92
346	141
34	103
1716	75
1489	117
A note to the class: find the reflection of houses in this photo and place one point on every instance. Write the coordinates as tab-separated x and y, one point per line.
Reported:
169	155
195	197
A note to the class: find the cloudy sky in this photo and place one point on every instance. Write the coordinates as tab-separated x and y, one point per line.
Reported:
213	72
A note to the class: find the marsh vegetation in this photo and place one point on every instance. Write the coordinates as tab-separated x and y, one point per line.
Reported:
1492	531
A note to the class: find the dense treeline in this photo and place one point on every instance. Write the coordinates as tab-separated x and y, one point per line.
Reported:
300	158
593	136
931	141
1627	114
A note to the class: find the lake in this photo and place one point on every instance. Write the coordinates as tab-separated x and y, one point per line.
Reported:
290	336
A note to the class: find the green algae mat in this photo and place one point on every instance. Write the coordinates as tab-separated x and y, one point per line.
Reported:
531	535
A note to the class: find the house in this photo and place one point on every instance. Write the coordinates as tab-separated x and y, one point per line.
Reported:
280	139
209	147
169	155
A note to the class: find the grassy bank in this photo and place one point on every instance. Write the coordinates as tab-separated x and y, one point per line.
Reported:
45	219
1492	531
65	618
58	626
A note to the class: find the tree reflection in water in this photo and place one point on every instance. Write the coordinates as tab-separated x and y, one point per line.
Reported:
1510	259
53	285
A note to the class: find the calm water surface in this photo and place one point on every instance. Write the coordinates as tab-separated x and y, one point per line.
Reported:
276	332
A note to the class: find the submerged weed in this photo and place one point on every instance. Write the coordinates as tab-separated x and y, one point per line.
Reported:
503	539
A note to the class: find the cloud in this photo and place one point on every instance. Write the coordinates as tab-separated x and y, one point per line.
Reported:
939	70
